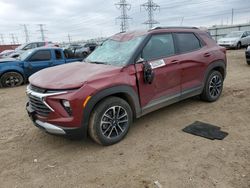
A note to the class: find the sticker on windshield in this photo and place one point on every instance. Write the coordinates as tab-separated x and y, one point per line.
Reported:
157	64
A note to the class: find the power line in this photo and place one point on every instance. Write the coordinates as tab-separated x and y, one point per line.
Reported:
124	7
26	33
42	30
150	7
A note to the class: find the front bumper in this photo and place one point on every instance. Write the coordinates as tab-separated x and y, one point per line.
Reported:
227	45
51	128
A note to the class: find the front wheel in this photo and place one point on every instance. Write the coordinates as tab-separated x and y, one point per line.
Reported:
213	87
11	79
110	121
238	45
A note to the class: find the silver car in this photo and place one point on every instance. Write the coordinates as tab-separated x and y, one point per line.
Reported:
235	39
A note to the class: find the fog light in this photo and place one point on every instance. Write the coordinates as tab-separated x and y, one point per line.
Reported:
67	107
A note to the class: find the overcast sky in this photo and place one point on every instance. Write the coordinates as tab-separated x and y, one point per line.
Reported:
85	19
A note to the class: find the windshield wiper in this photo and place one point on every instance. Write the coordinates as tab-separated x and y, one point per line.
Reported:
99	62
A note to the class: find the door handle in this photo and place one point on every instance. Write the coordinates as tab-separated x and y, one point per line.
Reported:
207	54
174	62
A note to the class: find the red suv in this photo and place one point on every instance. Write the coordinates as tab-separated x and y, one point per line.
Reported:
128	76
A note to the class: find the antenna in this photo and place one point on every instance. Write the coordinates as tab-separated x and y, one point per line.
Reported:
124	7
150	7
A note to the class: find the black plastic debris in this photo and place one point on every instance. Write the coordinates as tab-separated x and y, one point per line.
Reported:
205	130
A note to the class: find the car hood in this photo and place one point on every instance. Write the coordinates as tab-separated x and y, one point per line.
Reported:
7	60
228	39
71	76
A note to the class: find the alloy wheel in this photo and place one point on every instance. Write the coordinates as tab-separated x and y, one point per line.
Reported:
114	122
215	86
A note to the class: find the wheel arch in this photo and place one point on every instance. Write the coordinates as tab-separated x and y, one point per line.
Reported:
125	92
13	70
218	65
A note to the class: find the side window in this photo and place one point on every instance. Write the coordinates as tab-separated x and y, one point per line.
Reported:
28	47
244	35
40	44
159	46
58	54
43	55
187	42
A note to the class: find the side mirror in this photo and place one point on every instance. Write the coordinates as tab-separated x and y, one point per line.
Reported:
148	73
140	60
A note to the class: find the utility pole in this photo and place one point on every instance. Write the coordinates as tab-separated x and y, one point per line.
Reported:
69	38
182	19
2	40
150	7
232	19
42	30
124	7
26	33
13	38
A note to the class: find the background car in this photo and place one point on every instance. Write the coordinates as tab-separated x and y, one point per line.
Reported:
248	55
6	53
235	39
27	46
86	49
14	72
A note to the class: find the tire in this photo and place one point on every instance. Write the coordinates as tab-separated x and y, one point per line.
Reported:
105	128
238	45
213	87
248	62
11	79
84	54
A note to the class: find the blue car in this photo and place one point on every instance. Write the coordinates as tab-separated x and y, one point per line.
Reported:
15	72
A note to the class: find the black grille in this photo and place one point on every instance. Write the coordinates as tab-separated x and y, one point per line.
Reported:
38	106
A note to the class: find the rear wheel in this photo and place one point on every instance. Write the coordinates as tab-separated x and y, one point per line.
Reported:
213	87
110	121
238	45
84	54
11	79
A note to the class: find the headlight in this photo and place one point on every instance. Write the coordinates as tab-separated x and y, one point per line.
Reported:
67	107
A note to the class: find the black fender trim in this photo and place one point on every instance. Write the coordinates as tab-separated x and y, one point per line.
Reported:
123	90
216	64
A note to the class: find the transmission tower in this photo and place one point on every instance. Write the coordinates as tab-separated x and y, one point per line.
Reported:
150	7
69	38
42	30
13	38
26	33
2	40
124	6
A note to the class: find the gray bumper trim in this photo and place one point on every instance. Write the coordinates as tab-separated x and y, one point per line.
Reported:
50	128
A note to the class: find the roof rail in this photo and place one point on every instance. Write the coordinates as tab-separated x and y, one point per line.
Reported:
173	27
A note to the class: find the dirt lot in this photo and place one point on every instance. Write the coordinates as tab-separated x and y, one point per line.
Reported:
154	150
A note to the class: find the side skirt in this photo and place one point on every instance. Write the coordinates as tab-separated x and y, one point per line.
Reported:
168	100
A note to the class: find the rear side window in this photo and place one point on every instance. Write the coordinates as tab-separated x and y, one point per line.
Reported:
187	42
43	55
159	46
58	54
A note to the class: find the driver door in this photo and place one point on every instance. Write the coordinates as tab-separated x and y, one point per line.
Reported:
39	60
159	52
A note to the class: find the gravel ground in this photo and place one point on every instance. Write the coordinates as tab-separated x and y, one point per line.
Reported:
154	150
